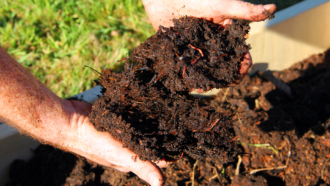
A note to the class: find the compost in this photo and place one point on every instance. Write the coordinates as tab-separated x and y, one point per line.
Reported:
286	139
148	106
195	53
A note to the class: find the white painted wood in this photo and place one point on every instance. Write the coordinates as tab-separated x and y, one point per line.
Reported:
295	10
6	131
293	35
13	147
90	95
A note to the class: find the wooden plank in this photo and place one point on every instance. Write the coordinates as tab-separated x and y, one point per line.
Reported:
14	147
278	46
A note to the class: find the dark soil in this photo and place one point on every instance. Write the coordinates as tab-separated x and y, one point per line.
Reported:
148	107
195	53
297	127
297	130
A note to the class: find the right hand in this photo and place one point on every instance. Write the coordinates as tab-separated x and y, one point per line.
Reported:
83	139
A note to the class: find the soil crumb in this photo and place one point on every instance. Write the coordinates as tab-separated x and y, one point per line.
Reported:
148	107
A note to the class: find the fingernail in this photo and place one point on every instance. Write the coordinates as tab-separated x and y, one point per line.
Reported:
154	180
268	7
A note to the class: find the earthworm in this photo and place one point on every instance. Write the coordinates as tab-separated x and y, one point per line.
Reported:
199	50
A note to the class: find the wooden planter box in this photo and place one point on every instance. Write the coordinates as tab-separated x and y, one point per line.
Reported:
296	33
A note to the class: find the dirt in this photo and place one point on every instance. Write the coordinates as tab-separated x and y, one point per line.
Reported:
195	53
148	106
286	139
296	125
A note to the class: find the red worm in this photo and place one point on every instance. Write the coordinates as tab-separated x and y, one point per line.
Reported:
184	71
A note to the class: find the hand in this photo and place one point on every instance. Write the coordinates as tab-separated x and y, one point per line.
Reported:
162	12
29	106
101	148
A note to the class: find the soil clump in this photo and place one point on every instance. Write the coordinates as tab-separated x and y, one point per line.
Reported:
148	106
195	53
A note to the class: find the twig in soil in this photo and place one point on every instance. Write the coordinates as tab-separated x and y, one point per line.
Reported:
216	175
289	153
266	145
211	126
238	165
193	174
276	168
223	55
239	118
213	177
224	98
269	168
322	171
235	138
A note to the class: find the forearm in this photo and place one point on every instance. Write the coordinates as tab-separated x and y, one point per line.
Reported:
27	104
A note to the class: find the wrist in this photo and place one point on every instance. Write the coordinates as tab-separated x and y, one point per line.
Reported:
73	134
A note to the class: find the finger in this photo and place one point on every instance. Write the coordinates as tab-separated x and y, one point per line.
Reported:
148	172
227	22
162	164
120	168
245	65
248	11
200	90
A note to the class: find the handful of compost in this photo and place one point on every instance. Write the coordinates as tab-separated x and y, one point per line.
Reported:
148	106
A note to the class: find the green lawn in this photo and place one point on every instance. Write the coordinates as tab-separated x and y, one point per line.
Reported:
56	39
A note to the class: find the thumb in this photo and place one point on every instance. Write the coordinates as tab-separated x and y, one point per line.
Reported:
148	172
248	11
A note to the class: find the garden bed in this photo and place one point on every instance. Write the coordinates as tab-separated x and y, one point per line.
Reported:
285	136
296	33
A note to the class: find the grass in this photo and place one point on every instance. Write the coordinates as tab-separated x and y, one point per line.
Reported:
56	39
266	145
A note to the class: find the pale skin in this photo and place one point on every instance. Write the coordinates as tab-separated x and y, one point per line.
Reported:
34	110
